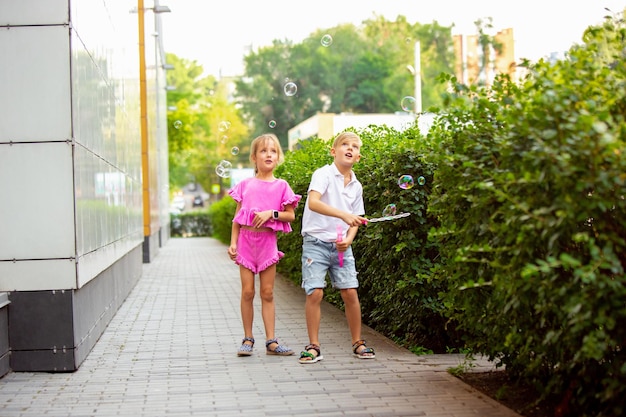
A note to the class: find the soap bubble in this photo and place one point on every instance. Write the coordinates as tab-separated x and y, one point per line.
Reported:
224	126
408	104
272	124
390	210
406	182
178	124
421	180
223	169
327	40
234	150
290	89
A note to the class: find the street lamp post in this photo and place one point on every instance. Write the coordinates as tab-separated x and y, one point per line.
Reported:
418	79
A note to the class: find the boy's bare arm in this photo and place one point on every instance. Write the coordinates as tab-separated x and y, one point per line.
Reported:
317	205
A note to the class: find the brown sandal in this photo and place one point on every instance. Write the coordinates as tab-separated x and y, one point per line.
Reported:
308	357
366	353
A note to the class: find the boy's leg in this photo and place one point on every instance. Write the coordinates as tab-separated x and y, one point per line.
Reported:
352	305
312	307
313	314
314	268
353	312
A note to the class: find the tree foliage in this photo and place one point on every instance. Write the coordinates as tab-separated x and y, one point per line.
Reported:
364	70
203	125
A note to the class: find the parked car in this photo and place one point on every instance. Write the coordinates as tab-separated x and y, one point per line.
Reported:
198	201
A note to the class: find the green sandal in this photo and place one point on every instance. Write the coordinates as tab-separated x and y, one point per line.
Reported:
308	357
366	353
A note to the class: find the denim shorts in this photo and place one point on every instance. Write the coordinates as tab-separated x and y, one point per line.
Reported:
319	258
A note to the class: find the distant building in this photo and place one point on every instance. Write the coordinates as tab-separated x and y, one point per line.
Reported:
328	125
469	58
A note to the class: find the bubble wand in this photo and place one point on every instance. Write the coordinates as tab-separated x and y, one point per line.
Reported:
339	239
385	218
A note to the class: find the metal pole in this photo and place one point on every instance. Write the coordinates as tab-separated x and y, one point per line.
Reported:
418	79
143	100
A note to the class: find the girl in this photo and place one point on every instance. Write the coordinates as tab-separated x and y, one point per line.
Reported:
265	205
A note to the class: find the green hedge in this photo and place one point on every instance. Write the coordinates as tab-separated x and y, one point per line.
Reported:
393	258
530	196
195	223
222	213
515	247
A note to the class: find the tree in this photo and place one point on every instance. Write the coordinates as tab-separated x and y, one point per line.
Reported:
363	70
203	126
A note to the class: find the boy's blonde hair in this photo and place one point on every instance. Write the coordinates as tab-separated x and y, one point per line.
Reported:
346	135
260	140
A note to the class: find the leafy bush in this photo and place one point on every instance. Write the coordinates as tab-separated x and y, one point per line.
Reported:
402	303
529	192
191	224
395	257
222	213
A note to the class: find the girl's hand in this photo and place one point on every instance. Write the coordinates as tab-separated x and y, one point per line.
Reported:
261	217
232	252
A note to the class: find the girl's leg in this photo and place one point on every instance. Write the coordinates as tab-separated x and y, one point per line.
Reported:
247	298
268	311
268	307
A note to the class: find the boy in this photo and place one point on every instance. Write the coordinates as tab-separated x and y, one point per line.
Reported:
334	204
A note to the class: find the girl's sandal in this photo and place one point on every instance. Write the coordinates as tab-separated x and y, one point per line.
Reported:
246	349
278	350
365	353
308	357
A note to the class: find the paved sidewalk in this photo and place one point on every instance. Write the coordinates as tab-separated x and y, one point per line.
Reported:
171	351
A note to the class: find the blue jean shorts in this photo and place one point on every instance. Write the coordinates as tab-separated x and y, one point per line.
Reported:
320	258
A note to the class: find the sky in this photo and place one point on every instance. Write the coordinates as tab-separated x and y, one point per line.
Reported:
218	34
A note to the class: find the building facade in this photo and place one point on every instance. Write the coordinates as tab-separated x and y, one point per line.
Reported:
475	64
76	134
328	125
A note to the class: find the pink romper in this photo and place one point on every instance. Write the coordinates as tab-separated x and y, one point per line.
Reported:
258	250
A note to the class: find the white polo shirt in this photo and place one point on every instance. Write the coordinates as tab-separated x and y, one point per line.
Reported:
328	181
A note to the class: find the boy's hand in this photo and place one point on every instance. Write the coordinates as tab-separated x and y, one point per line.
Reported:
343	245
353	220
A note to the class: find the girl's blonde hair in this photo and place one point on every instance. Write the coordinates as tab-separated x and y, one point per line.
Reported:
260	140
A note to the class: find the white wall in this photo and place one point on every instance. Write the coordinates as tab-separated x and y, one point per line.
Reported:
70	144
328	124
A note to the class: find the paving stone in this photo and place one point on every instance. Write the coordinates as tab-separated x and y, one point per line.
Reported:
170	350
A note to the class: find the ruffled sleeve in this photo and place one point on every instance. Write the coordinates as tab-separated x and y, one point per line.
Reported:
235	193
290	198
